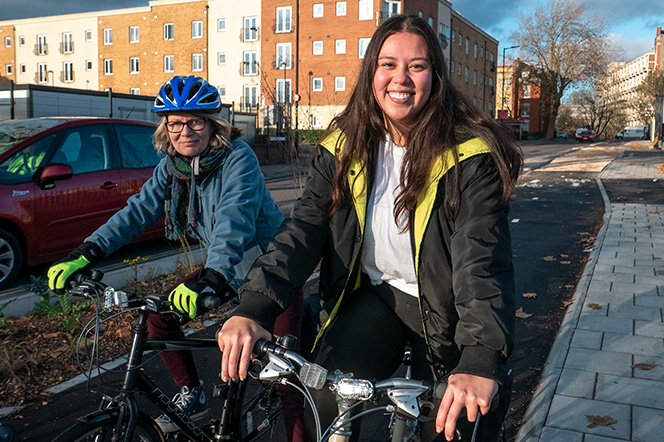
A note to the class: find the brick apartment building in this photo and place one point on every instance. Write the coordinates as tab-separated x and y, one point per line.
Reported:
259	53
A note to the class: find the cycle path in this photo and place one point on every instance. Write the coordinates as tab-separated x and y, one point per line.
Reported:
604	378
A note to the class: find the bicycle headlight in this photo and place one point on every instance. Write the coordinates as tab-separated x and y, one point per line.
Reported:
356	389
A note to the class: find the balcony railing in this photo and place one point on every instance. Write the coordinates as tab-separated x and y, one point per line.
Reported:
278	61
249	34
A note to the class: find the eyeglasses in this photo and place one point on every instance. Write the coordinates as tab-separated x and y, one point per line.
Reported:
175	127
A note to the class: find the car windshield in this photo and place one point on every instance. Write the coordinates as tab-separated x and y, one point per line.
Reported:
15	131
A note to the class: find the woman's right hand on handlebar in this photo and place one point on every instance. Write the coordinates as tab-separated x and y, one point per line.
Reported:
236	341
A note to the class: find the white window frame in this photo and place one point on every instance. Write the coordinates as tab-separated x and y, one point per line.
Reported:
169	63
221	58
318	10
341	9
365	10
196	62
362	44
108	66
526	91
249	63
68	72
317	84
197	29
317	47
316	121
251	92
250	28
339	84
108	36
67	43
88	65
21	68
8	69
134	65
169	31
21	40
221	25
392	7
42	46
88	35
340	46
134	91
222	91
281	91
284	20
133	34
42	72
525	110
284	54
8	42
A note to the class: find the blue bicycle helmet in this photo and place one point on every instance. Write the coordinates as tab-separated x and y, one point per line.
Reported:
187	94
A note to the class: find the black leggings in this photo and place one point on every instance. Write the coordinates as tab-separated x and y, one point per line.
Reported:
368	338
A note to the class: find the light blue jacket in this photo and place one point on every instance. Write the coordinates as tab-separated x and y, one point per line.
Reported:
238	219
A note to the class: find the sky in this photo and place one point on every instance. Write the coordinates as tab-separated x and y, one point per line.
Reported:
632	24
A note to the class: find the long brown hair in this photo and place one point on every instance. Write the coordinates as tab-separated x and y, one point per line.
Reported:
447	119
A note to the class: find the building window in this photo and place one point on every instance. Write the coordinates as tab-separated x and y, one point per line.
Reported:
317	84
21	69
221	58
340	46
8	42
196	62
134	65
365	10
459	69
341	8
284	19
283	91
42	72
88	65
460	39
222	91
526	92
318	48
250	29
525	109
42	48
318	10
475	78
21	40
491	58
168	31
482	52
316	121
108	36
467	46
452	67
133	34
453	36
250	97
475	51
169	63
221	24
88	35
362	47
8	69
68	72
283	60
339	83
249	64
134	91
466	71
430	21
67	43
197	29
108	67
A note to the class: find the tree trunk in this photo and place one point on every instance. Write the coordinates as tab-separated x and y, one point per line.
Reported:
555	105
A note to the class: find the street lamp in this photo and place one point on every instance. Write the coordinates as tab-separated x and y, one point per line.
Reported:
502	93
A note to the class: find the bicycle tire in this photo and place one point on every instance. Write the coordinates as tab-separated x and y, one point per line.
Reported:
91	430
260	412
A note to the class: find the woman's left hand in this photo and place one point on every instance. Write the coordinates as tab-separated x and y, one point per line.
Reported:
464	390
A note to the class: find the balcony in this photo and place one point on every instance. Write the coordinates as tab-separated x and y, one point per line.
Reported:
67	48
277	62
283	27
248	68
249	34
41	49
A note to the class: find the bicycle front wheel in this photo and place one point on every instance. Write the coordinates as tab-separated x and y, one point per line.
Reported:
104	430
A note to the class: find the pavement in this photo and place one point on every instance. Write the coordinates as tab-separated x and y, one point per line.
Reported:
604	378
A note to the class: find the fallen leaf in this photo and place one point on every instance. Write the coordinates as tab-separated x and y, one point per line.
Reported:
521	314
529	295
565	262
549	258
600	421
644	366
594	306
562	255
567	303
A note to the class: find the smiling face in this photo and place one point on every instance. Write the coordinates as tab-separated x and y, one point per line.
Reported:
189	143
402	81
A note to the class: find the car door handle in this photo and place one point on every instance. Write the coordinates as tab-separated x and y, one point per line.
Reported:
109	185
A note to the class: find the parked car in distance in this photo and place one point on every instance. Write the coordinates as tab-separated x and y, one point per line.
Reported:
634	132
585	135
61	178
561	135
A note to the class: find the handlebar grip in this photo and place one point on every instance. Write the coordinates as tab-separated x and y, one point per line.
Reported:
438	390
208	302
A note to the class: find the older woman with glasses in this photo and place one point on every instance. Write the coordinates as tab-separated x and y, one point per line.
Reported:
207	187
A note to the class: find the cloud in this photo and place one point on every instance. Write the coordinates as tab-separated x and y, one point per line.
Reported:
631	48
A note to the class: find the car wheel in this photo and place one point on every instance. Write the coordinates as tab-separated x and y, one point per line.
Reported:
11	258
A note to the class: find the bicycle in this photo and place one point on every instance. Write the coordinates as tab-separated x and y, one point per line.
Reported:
248	409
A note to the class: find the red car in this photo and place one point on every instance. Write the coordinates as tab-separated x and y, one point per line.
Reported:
61	178
585	135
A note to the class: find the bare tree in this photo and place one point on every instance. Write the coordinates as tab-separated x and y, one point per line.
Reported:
647	91
564	46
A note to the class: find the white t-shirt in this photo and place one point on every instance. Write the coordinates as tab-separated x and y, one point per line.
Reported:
386	253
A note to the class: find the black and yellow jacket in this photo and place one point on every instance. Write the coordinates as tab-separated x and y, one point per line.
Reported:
463	266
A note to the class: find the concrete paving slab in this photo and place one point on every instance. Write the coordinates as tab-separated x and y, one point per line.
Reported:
647	425
649	328
558	435
577	383
618	364
587	339
630	391
636	345
636	312
575	414
605	324
648	367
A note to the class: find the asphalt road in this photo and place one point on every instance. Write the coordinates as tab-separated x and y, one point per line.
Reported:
555	217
